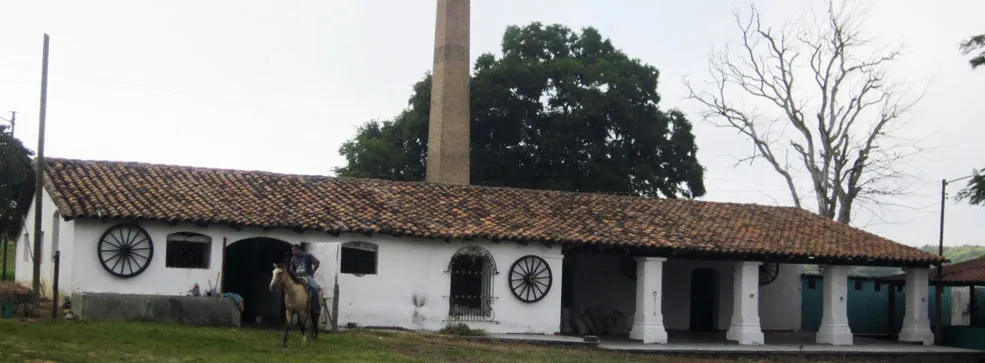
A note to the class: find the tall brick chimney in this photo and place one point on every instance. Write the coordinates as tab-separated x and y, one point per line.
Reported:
448	131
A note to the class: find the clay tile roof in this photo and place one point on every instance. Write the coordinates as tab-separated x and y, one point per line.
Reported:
127	190
961	273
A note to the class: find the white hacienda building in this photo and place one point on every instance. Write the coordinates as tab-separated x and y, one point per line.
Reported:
419	255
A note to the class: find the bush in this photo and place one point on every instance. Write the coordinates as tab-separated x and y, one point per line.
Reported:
461	329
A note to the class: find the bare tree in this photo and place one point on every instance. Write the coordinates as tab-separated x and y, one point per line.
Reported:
830	85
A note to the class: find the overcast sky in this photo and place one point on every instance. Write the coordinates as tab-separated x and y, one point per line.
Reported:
280	85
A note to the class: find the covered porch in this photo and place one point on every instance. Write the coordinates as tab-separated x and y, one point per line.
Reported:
719	299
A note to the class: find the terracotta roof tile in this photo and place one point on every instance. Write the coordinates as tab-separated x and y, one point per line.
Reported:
961	273
106	189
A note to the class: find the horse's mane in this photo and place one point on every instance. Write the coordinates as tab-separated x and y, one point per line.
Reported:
291	274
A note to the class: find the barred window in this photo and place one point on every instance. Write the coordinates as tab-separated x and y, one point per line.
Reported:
188	250
472	269
359	258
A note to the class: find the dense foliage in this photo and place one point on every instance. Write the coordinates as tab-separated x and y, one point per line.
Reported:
557	110
16	176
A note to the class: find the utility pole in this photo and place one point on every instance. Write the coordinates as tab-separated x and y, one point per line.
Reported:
39	177
939	286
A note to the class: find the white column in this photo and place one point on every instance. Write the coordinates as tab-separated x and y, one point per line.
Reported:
648	322
834	318
745	327
916	322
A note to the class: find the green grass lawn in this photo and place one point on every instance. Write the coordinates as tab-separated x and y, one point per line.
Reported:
62	341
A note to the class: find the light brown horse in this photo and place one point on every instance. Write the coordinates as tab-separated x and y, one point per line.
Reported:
296	302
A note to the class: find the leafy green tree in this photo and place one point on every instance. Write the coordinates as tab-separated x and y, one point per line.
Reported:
975	192
16	176
557	110
975	44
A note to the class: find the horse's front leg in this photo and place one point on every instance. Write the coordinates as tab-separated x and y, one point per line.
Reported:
287	326
302	322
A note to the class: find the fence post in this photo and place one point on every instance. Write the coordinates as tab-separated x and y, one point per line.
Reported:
335	305
54	287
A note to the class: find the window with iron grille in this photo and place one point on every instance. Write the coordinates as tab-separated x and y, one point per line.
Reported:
472	269
188	250
358	258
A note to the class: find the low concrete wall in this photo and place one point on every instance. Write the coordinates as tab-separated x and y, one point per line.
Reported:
191	310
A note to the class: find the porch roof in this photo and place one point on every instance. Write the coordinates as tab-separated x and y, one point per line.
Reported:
142	191
971	272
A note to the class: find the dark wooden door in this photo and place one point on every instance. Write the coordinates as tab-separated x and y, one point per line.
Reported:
703	296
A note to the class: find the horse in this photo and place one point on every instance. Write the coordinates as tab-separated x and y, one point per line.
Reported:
296	301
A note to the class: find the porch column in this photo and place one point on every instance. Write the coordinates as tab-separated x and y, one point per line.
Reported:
648	322
834	328
916	322
745	327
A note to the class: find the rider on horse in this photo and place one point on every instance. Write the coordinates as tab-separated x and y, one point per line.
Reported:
303	265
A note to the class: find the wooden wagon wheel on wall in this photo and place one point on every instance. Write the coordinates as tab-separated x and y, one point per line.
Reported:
125	250
530	278
627	264
768	272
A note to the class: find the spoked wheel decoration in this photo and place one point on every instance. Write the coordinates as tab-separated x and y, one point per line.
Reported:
627	263
530	278
768	272
125	250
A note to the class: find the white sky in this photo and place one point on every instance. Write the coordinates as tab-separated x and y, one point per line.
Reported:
279	85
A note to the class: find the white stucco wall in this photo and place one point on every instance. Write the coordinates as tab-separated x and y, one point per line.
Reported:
156	279
406	267
24	270
409	267
780	301
598	281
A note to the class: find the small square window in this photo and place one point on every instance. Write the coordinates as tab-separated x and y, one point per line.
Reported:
858	285
811	284
188	250
358	258
878	286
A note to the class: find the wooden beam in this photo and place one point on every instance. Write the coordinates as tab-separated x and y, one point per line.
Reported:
971	305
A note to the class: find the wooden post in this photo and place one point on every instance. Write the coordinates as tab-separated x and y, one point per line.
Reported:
39	177
971	306
54	286
335	305
222	276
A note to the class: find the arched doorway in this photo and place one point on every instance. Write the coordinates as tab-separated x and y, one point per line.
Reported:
247	271
704	295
